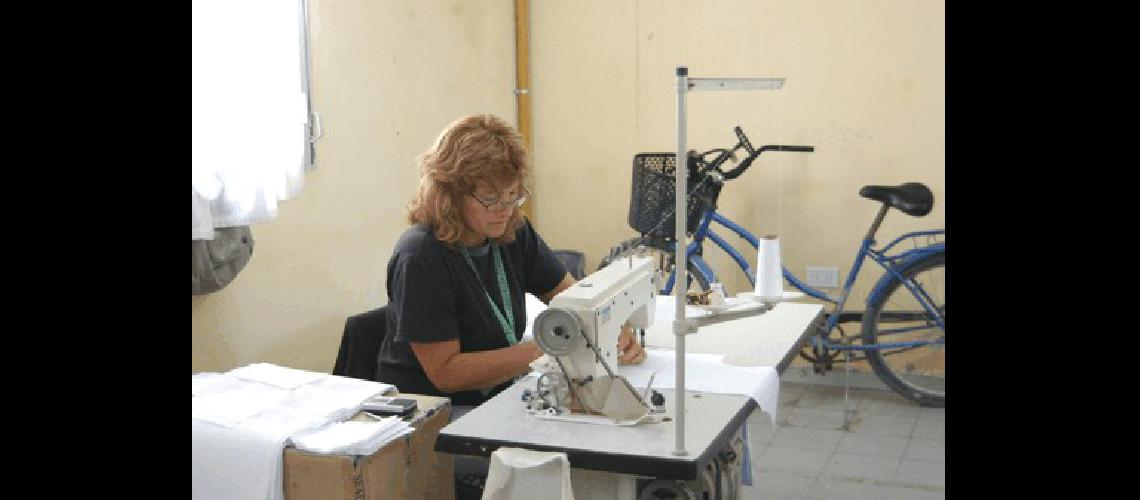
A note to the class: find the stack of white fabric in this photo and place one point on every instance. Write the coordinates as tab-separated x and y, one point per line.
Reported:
354	437
242	420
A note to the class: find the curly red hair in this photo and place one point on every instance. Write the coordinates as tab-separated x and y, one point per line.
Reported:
472	151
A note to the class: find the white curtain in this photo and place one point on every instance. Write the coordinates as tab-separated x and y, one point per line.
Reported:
249	111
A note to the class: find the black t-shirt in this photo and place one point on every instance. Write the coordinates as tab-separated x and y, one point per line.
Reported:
433	295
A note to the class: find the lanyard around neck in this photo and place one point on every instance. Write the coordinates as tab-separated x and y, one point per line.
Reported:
508	322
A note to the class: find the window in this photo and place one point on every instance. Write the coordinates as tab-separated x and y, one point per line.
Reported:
253	129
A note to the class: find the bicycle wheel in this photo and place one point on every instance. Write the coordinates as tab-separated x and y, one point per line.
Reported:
664	260
917	372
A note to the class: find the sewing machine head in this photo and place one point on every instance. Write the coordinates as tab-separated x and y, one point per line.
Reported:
580	330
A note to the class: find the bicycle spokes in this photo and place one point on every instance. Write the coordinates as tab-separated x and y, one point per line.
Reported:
907	323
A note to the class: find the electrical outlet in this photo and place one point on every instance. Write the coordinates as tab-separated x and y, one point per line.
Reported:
823	277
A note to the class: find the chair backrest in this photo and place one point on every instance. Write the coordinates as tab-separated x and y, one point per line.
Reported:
574	261
360	344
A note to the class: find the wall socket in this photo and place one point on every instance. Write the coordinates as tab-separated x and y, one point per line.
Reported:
823	277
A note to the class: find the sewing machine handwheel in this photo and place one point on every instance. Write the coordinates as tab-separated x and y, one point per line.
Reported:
558	332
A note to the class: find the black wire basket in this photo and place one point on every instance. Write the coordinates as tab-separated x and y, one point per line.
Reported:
653	196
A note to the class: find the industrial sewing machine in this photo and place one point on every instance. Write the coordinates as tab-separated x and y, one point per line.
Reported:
579	334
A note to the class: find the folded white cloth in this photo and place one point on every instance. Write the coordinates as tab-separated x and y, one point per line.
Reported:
354	437
280	376
243	418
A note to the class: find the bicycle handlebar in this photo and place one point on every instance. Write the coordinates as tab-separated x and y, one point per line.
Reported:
743	141
795	149
753	153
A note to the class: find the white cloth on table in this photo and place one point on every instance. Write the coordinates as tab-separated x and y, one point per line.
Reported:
707	373
354	437
243	419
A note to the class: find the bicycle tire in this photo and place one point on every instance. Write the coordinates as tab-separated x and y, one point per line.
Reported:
918	373
628	246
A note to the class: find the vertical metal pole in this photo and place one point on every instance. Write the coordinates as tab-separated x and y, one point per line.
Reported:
522	92
309	161
680	262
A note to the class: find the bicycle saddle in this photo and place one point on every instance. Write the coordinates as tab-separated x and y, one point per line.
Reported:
912	198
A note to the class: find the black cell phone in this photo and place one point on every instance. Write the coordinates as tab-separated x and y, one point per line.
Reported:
390	405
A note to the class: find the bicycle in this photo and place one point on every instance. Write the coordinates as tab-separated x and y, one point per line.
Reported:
903	333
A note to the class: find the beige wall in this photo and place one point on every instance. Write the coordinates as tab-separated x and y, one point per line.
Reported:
387	76
865	85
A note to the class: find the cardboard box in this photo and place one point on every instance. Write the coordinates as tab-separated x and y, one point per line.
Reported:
408	467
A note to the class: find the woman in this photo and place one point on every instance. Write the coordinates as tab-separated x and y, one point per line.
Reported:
457	277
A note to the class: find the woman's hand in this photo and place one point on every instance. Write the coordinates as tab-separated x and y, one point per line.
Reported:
630	351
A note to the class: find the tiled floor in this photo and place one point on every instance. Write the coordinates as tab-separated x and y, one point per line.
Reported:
892	449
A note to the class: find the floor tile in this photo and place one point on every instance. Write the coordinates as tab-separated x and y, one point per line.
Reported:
828	397
806	438
861	467
845	488
918	472
817	418
791	459
927	412
771	483
891	424
790	394
760	428
893	449
882	403
926	449
879	445
930	428
904	493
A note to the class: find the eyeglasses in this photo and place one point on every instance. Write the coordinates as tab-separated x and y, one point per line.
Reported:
499	206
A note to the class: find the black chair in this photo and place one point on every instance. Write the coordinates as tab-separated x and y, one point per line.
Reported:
358	356
574	261
360	344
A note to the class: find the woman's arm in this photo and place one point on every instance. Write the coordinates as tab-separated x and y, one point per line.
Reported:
453	371
567	282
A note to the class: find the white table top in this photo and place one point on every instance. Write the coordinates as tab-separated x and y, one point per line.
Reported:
770	339
643	449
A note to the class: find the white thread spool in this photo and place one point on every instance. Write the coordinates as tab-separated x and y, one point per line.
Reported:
769	271
716	297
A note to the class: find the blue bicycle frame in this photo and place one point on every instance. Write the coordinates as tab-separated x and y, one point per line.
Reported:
893	265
